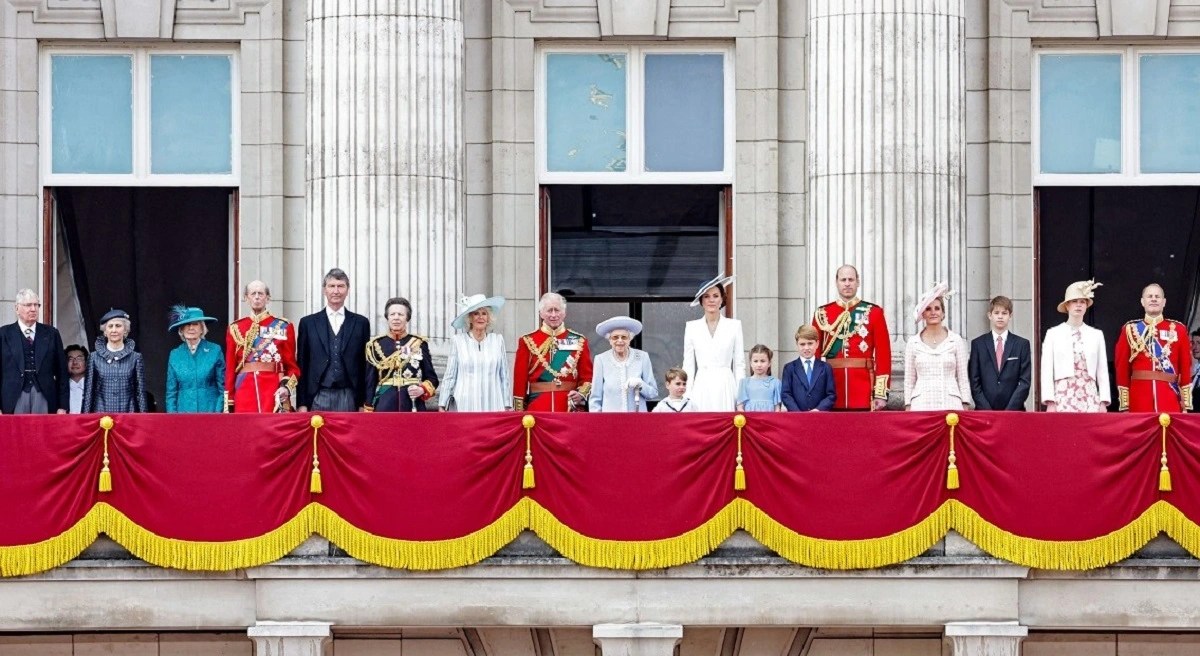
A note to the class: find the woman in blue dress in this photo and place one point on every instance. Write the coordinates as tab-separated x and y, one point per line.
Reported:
761	392
622	378
195	368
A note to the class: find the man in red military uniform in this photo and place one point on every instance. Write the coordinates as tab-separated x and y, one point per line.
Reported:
1153	360
553	370
260	358
855	343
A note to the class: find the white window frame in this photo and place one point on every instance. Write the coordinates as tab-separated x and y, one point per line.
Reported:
634	172
141	175
1131	174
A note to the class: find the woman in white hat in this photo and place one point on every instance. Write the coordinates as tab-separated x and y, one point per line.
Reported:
714	351
1074	357
622	380
477	377
935	359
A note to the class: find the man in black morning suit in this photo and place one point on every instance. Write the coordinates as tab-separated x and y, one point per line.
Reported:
33	366
1000	364
331	352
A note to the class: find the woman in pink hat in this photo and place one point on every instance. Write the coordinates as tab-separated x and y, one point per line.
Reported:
935	359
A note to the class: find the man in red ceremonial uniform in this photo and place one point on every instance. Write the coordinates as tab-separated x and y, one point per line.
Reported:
855	343
1153	360
260	358
553	370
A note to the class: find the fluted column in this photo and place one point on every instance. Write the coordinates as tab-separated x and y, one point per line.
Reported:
886	150
290	638
386	148
641	639
985	638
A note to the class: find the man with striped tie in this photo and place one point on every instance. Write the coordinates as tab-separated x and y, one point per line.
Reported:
33	366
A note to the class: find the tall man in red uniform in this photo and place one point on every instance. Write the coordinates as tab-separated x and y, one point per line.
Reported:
553	370
854	341
260	358
1153	359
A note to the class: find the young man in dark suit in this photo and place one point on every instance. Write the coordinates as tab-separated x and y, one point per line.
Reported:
331	352
807	380
1000	364
33	366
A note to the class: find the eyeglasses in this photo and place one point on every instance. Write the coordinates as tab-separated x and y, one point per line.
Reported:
618	338
77	358
36	305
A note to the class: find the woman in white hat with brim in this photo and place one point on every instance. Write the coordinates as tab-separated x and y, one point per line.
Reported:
622	379
714	351
477	377
935	359
1074	358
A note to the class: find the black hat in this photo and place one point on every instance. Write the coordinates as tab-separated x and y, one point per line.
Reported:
114	314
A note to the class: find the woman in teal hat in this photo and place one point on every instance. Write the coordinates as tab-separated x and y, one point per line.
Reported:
196	368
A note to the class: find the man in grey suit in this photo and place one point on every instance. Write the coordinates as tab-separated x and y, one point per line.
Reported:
331	351
33	366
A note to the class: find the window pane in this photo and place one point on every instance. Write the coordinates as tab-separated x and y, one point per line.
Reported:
613	241
1170	112
1080	113
685	112
585	112
92	113
191	117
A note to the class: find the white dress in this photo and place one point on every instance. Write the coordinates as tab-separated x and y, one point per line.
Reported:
477	376
715	363
935	377
610	378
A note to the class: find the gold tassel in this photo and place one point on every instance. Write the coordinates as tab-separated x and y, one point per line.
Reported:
527	480
1164	474
739	474
314	483
106	423
952	468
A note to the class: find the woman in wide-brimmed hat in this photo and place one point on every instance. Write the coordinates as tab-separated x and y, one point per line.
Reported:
116	380
1074	357
195	368
477	377
622	378
935	359
714	351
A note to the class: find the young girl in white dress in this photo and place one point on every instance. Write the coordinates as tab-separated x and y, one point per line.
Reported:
714	352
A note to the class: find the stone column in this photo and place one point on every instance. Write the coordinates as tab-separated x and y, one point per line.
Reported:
386	154
886	151
289	638
641	639
985	638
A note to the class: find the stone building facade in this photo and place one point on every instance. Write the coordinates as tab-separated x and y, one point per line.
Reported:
409	143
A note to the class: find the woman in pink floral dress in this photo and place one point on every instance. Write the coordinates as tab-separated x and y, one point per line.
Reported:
1074	358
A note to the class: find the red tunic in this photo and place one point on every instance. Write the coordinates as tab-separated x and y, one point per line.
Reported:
854	341
549	364
260	355
1154	366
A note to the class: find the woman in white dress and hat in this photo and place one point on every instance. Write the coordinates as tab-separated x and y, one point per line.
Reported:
714	352
1074	375
935	359
477	377
622	379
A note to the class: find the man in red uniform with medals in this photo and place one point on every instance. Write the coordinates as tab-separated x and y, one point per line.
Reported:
855	343
260	358
1153	360
553	370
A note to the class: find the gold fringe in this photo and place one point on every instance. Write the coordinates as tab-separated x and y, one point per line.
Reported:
422	555
25	559
646	554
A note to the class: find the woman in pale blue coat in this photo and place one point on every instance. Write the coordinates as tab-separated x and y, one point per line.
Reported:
196	368
622	379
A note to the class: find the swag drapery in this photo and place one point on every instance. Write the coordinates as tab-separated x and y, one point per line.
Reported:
627	491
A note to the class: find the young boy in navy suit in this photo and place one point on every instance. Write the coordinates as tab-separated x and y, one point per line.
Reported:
807	380
1000	363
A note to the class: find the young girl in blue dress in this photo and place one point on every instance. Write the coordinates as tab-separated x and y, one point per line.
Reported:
761	392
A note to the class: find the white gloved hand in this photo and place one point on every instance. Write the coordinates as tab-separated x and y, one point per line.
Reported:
633	383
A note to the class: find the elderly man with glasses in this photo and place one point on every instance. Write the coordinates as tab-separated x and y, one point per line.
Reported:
33	366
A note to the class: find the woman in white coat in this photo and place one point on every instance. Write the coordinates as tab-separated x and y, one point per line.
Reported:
714	351
1074	359
935	359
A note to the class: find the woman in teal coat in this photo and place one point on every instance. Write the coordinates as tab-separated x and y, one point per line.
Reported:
196	368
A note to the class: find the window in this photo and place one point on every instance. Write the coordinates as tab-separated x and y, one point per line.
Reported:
1122	116
635	115
142	116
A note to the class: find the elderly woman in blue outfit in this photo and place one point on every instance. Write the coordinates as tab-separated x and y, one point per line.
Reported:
195	368
115	380
622	380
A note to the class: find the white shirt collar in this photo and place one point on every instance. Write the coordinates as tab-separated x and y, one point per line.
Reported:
23	327
996	335
340	312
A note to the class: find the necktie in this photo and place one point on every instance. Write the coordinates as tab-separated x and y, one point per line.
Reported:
808	370
999	353
29	335
336	323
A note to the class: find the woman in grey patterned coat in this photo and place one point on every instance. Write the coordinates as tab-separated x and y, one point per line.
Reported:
115	380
